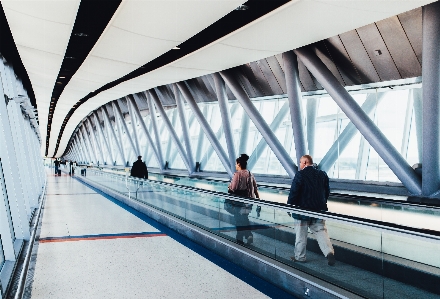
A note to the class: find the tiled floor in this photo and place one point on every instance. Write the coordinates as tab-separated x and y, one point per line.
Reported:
89	247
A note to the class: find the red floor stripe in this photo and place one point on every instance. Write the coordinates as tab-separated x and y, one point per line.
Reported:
101	238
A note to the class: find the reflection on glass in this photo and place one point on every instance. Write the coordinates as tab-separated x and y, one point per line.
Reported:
372	260
241	212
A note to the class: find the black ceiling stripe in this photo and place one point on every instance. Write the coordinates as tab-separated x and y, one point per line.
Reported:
9	51
91	20
229	23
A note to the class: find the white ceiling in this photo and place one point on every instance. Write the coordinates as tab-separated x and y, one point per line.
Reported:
41	31
140	31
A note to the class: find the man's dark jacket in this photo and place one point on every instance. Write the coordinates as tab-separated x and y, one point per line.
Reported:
139	170
310	189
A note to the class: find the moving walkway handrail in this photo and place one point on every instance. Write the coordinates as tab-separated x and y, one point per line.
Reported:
23	275
373	224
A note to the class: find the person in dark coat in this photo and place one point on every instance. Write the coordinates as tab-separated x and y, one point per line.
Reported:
310	190
57	166
139	169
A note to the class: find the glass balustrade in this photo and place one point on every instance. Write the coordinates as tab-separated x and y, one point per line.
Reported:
374	258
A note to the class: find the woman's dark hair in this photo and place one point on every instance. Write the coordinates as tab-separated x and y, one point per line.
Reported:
242	160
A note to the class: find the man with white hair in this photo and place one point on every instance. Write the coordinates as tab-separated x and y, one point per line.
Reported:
310	190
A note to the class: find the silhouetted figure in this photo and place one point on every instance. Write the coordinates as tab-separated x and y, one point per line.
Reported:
139	169
57	166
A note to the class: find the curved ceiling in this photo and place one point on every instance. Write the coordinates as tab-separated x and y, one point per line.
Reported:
140	31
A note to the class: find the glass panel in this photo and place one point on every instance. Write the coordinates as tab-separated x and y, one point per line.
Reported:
6	201
373	259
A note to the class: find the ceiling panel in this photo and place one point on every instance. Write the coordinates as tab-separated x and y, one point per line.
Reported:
359	57
131	48
41	31
140	31
383	62
266	37
399	47
412	24
172	20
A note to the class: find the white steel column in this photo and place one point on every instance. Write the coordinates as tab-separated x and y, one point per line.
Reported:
144	127
122	123
171	131
133	125
206	128
88	149
184	125
98	144
110	128
155	130
259	122
431	98
101	133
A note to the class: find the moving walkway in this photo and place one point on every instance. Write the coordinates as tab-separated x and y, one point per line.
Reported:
375	258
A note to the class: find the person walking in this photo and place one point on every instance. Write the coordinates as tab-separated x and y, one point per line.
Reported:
72	167
139	169
310	190
243	184
57	166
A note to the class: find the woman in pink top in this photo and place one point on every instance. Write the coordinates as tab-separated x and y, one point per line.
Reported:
243	184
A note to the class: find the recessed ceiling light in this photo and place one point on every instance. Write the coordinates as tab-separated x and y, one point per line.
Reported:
176	48
81	34
70	57
59	82
61	77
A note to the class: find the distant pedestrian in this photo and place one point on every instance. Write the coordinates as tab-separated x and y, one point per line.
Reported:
72	167
57	166
310	190
139	169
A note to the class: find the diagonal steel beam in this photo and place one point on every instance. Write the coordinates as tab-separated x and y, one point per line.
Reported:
294	95
83	152
89	144
88	149
173	155
417	100
205	126
259	149
364	124
113	133
135	109
312	107
201	140
168	151
260	123
122	122
101	133
348	133
218	135
244	136
98	144
133	125
222	97
184	126
155	129
173	134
